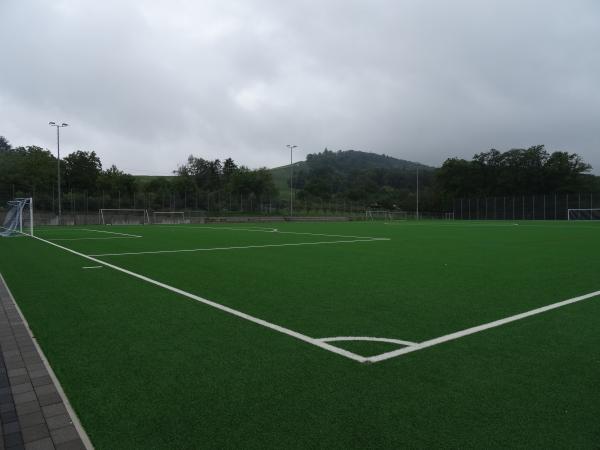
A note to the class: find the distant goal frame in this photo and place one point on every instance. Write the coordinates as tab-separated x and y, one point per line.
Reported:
144	215
156	214
385	215
594	214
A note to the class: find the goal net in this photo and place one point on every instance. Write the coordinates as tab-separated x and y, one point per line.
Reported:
583	214
386	216
18	220
168	217
124	216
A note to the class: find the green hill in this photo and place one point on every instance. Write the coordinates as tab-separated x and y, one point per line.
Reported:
349	160
281	176
343	162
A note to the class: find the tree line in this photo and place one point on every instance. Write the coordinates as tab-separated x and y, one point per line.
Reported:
359	178
32	170
516	172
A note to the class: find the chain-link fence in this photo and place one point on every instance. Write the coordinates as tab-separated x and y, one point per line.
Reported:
192	203
524	207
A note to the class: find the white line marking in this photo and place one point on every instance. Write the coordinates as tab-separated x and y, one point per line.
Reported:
226	309
92	267
238	247
76	423
89	239
271	230
109	232
479	328
367	338
319	342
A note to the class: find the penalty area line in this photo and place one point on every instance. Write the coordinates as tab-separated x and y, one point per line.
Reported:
227	309
109	232
89	238
272	230
189	250
480	328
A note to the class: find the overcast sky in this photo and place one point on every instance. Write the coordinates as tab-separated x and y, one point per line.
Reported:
145	83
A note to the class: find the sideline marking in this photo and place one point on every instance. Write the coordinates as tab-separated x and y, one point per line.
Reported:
479	328
238	247
227	309
92	267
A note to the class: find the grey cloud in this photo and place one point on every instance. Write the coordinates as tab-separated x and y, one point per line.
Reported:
145	83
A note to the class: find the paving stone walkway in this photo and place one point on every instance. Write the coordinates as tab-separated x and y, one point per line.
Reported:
33	415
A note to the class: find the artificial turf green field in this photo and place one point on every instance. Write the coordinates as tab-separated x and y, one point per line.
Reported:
148	367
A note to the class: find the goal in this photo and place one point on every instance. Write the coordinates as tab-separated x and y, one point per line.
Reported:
168	217
19	218
583	214
386	216
124	216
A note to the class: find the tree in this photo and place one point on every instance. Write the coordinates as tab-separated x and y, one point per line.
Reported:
206	174
564	172
114	180
82	170
27	168
229	168
515	172
4	145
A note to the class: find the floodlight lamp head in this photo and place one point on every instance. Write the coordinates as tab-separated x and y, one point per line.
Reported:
52	123
65	125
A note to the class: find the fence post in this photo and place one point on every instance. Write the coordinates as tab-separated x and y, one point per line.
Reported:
544	206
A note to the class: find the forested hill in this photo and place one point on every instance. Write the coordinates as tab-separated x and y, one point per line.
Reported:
350	160
342	163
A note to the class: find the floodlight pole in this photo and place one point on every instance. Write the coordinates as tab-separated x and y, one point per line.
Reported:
58	127
291	147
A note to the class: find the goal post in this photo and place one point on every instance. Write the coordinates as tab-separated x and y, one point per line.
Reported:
377	215
18	220
385	215
583	214
168	217
123	216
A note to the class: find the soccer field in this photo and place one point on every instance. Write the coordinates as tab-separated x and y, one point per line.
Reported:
320	335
